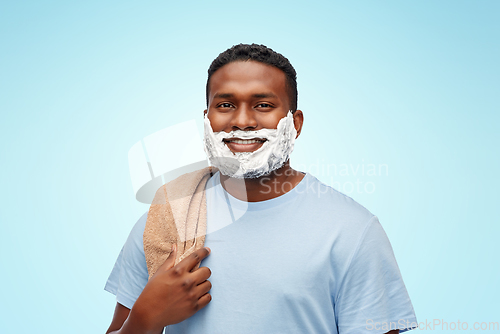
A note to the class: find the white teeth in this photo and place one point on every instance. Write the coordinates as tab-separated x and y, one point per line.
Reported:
245	141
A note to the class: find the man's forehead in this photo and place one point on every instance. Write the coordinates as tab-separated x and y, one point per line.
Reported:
250	76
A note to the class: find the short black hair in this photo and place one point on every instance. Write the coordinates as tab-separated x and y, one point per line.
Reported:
262	54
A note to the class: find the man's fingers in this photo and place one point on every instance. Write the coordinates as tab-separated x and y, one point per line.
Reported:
203	288
201	274
203	301
190	262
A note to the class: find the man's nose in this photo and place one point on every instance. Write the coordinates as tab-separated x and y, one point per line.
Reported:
243	119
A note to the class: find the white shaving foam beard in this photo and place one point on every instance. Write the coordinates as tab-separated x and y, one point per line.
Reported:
272	155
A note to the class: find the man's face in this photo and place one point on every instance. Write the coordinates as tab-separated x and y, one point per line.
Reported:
247	95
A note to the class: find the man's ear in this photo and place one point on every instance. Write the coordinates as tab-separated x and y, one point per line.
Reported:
204	112
298	120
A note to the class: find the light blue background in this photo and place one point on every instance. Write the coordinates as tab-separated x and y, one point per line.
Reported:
412	85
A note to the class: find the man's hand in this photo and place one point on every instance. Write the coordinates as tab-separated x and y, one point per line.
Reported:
173	294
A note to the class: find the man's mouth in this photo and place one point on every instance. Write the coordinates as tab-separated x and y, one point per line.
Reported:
244	145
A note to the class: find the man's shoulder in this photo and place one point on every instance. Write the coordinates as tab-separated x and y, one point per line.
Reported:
135	238
327	200
332	199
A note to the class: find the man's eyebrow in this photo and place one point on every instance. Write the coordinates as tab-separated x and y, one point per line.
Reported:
264	95
223	96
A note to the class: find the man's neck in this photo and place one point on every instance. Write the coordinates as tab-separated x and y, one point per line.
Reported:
263	188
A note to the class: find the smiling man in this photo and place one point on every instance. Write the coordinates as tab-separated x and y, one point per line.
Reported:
288	254
246	99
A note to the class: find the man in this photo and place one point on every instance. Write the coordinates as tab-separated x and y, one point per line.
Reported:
288	254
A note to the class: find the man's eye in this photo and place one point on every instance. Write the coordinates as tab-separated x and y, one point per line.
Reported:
225	105
264	105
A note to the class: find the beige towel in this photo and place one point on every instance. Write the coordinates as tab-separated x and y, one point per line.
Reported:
178	215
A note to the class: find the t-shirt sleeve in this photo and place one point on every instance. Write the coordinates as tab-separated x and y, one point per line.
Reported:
130	273
373	298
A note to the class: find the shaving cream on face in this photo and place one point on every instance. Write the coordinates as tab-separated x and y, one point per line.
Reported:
273	153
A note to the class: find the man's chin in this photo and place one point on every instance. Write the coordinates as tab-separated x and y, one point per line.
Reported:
249	174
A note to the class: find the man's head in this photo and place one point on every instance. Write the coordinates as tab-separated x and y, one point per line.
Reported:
249	126
261	54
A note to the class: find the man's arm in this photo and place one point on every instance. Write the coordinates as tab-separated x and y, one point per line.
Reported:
173	294
121	314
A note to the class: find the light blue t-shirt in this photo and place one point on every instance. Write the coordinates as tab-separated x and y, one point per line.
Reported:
310	261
